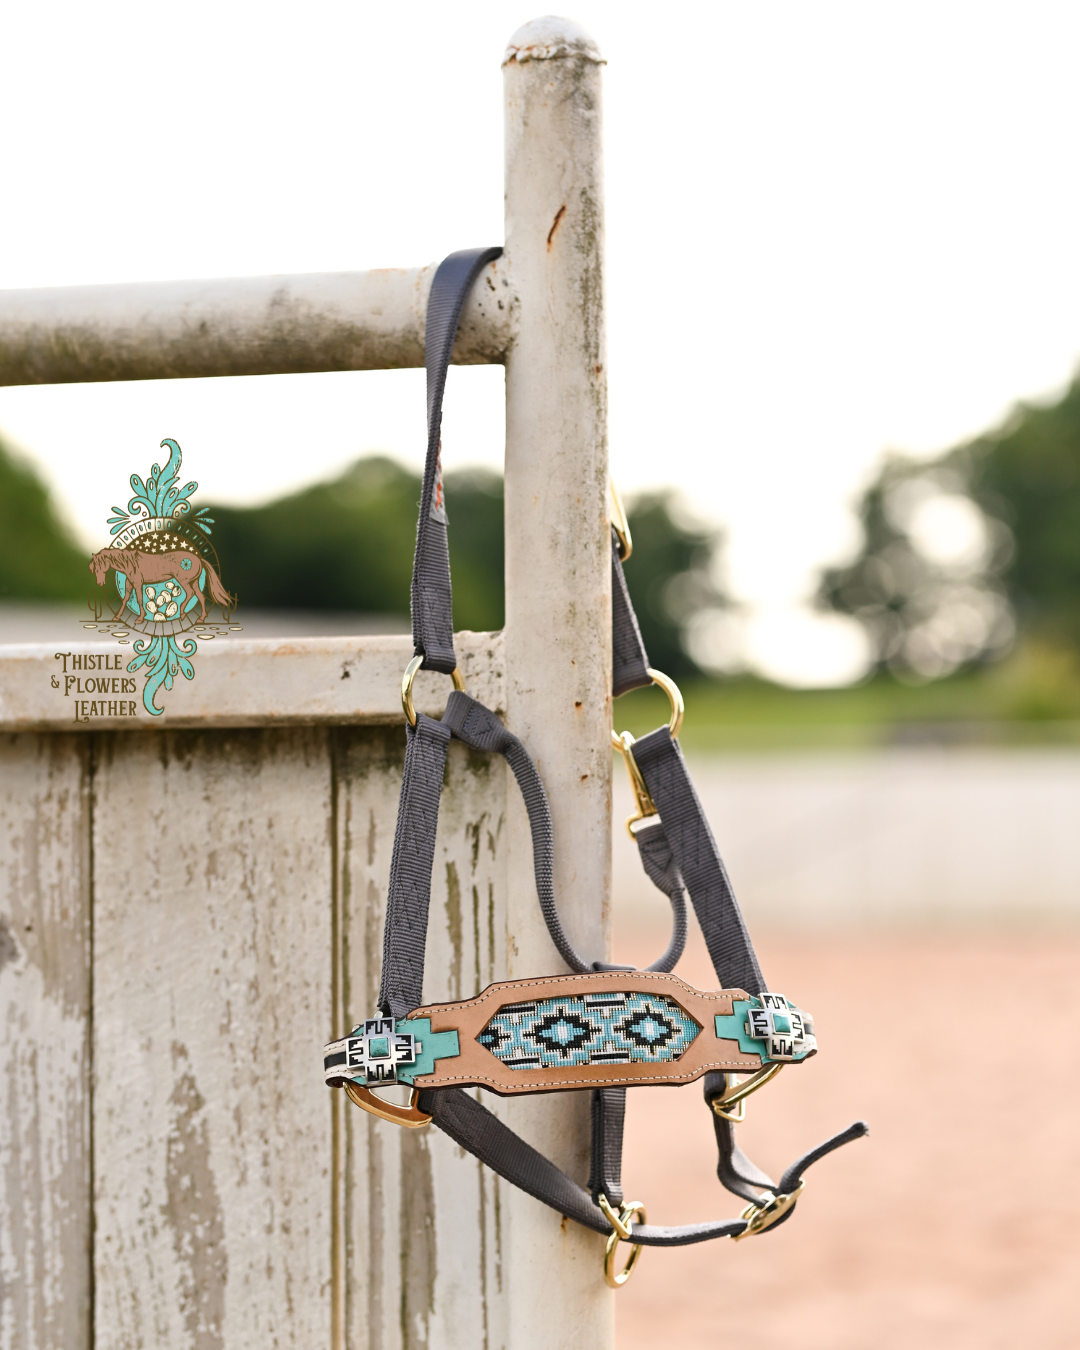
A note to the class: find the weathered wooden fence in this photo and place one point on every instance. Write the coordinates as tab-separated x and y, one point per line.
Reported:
191	905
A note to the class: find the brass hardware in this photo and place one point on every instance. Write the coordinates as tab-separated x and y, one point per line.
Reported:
737	1093
614	1219
675	698
736	1117
620	524
765	1211
645	805
622	1226
407	684
410	1116
623	743
670	688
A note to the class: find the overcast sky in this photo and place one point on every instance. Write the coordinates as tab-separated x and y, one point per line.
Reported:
833	229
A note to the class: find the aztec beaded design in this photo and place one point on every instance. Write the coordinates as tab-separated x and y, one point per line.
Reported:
610	1028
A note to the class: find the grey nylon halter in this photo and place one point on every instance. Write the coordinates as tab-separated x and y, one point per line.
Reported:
677	850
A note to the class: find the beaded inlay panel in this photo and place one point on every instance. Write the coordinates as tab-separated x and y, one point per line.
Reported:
608	1028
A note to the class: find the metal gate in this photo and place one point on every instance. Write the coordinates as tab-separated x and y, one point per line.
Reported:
191	905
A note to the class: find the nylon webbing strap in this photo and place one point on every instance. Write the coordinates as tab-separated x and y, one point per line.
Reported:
629	661
432	601
495	1144
478	727
658	863
408	896
698	859
734	1169
677	851
409	892
605	1152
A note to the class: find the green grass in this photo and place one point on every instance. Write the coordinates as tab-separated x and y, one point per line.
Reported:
1034	698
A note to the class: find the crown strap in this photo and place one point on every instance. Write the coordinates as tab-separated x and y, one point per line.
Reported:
431	596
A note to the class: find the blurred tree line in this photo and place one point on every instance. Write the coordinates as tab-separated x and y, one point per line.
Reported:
960	554
39	558
963	553
347	546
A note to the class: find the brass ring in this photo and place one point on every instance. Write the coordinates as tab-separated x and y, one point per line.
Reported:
410	1116
738	1093
613	1217
626	1214
767	1210
675	698
407	684
670	688
735	1117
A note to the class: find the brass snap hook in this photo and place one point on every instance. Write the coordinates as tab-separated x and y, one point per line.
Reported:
625	742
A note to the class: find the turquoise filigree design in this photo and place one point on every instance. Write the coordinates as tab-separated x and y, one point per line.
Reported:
159	496
164	658
164	568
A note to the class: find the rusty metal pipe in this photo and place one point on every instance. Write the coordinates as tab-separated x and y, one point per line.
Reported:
272	325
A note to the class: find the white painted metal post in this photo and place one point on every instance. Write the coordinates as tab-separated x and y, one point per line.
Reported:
558	606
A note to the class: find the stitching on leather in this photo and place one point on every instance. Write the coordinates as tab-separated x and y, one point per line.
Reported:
424	1082
496	990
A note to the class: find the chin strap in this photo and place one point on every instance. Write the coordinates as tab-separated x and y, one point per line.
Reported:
495	1144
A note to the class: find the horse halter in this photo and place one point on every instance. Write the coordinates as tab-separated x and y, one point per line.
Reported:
601	1028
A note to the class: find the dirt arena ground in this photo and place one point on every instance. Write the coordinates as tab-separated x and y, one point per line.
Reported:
954	1225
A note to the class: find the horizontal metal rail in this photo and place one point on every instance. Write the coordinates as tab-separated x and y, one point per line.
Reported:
276	325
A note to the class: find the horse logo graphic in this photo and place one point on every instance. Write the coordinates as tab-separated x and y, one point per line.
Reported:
167	578
172	593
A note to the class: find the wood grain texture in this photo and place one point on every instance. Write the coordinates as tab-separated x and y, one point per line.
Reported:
211	995
45	1223
422	1252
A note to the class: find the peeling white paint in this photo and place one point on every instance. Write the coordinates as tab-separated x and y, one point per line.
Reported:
549	39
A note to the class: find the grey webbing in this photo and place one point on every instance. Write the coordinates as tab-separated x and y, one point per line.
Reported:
664	771
459	1115
629	663
408	895
432	602
608	1115
737	1173
409	892
677	852
658	862
473	1126
683	828
478	727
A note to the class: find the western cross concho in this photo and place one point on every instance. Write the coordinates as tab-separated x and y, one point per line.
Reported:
166	575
